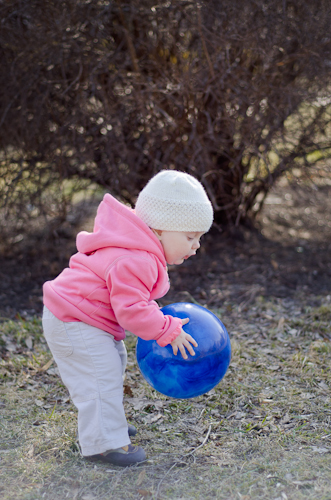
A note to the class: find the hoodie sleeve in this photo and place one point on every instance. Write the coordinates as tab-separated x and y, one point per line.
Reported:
130	282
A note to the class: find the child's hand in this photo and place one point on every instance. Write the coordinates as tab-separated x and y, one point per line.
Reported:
184	340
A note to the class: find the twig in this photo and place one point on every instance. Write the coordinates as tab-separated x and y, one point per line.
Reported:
201	445
46	366
80	71
45	451
211	69
129	41
202	412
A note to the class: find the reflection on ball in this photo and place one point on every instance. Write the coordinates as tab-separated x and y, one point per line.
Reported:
187	378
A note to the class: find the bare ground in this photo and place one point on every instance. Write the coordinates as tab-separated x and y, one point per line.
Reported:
285	254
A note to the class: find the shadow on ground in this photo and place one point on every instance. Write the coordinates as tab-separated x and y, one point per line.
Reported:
285	254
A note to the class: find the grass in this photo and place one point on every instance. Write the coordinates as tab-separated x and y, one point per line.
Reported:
263	433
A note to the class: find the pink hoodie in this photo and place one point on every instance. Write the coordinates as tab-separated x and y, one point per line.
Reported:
114	279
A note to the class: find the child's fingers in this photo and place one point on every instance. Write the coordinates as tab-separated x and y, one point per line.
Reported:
174	349
192	340
189	348
183	352
183	342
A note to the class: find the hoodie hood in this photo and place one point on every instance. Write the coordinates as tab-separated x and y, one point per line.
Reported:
117	225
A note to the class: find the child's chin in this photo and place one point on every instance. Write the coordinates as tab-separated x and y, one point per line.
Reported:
178	262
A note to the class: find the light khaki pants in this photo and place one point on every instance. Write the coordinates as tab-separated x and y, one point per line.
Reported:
91	364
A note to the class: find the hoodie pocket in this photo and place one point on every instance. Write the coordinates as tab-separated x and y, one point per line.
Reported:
96	300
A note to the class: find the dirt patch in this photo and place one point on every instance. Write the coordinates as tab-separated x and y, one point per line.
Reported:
285	254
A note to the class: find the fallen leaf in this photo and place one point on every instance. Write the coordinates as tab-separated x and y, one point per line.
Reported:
323	386
127	390
303	483
47	365
141	477
29	342
320	450
239	415
145	493
281	323
286	419
30	452
224	463
150	419
10	346
53	371
138	404
307	395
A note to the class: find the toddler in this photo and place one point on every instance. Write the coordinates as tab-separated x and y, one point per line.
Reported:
111	286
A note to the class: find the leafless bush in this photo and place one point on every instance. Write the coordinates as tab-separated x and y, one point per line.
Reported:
110	92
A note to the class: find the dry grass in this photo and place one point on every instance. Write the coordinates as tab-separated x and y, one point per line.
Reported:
263	433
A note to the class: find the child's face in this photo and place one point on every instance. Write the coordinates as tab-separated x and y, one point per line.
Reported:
179	246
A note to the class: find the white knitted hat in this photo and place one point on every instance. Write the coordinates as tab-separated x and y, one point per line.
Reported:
175	201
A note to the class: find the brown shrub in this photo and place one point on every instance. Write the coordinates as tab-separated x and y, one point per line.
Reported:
109	93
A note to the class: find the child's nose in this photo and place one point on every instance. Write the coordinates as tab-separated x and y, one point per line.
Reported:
196	245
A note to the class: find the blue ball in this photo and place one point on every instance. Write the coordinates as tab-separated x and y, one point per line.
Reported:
187	378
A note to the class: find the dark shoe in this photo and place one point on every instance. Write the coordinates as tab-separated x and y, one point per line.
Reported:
132	430
120	457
